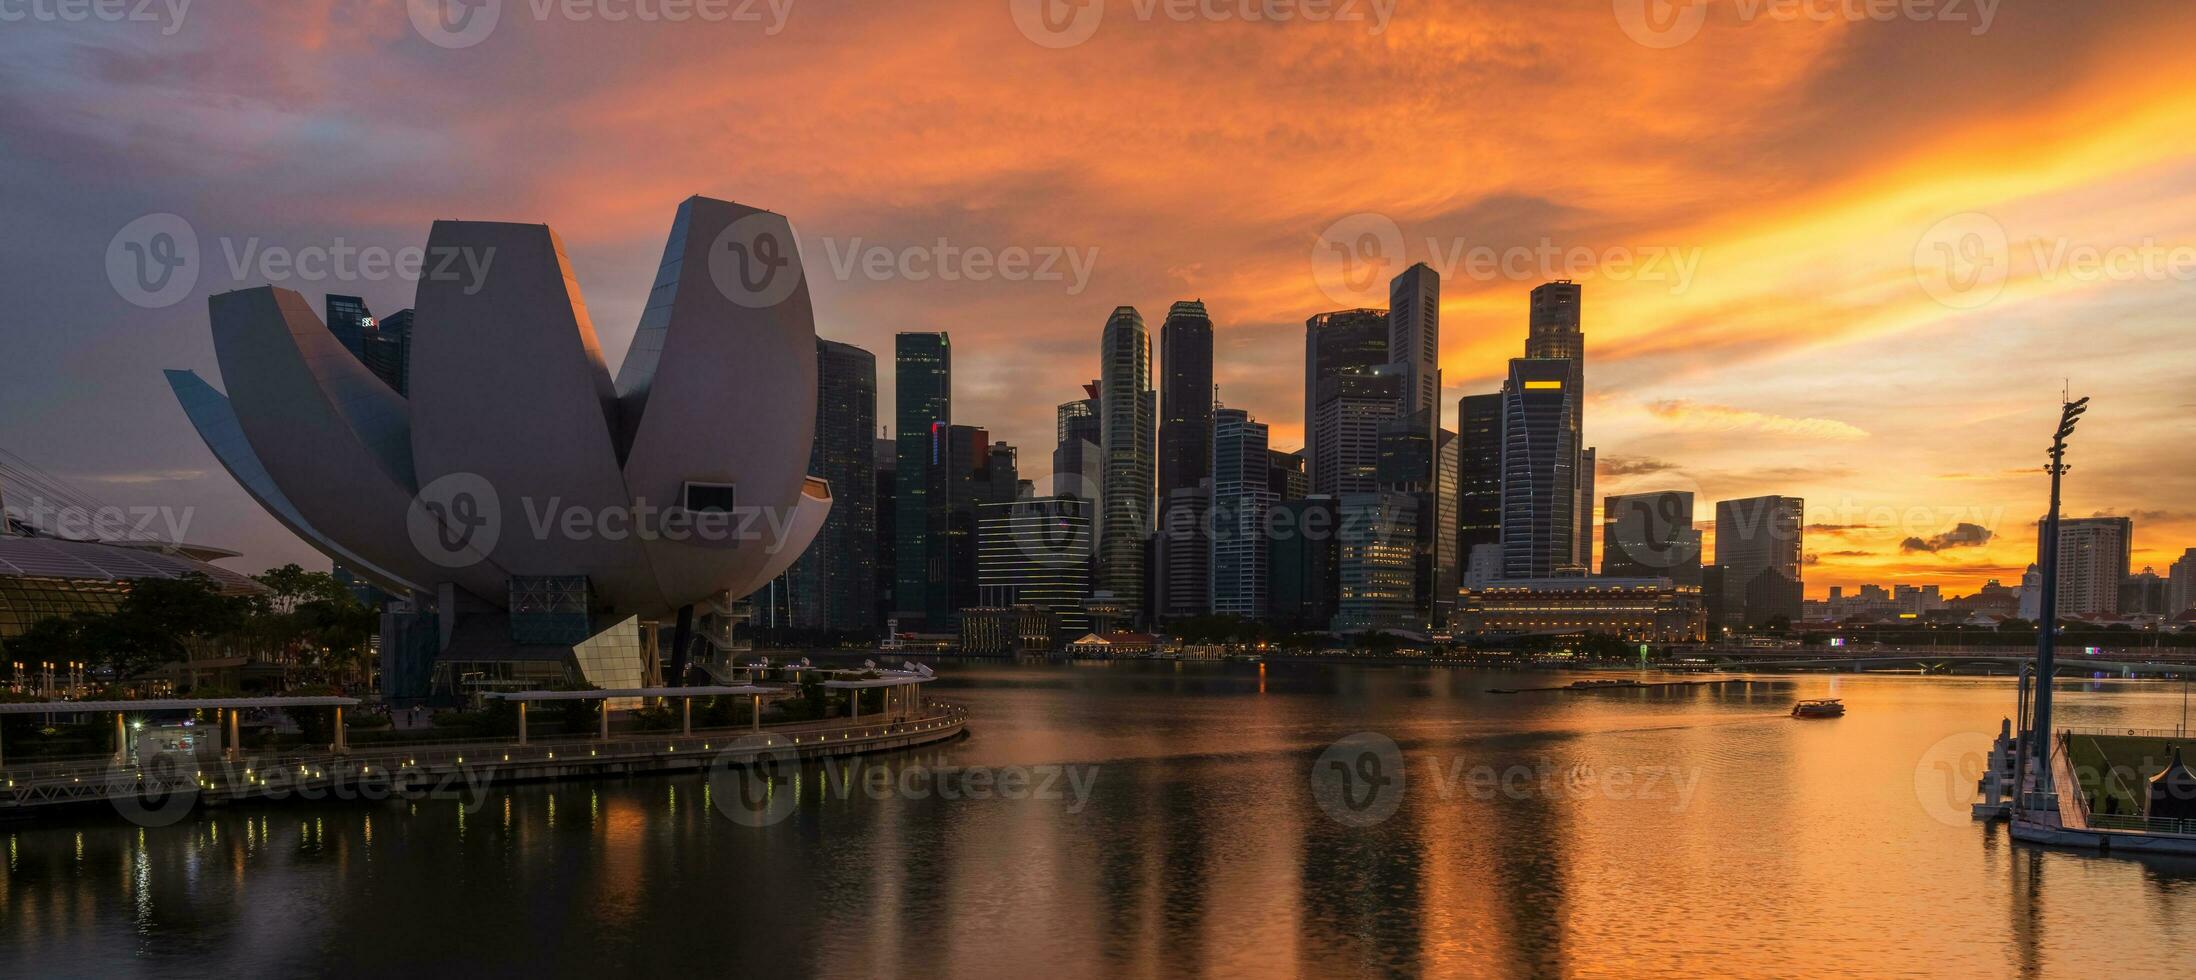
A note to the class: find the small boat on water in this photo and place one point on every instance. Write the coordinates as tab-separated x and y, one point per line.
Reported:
1819	708
1605	682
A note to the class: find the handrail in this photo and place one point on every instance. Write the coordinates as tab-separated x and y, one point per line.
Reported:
17	777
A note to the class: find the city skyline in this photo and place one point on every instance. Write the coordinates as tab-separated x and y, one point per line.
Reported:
1802	355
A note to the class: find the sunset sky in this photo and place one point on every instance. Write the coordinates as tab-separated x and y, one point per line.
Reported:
1824	206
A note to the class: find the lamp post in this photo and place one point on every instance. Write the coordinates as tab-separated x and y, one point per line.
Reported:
2046	631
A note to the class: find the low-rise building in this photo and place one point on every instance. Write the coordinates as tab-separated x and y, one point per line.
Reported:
1650	610
998	631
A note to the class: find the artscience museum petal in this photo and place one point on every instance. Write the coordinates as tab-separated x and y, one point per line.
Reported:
532	515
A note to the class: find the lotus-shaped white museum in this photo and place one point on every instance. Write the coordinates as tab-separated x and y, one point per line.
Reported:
533	510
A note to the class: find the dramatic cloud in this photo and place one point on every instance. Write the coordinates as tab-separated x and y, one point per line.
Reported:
1750	213
1962	535
1723	418
1633	465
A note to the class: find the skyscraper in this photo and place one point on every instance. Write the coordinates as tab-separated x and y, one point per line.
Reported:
2181	584
1377	562
922	411
1304	564
386	348
1182	554
1479	438
1539	470
1076	464
1285	475
1651	535
1128	416
1350	410
886	452
1241	499
1185	397
1760	548
2093	562
833	584
348	319
1552	331
1414	344
978	472
1552	326
1448	560
1036	551
1346	340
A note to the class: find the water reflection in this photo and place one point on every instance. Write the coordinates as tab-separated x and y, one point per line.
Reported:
1628	832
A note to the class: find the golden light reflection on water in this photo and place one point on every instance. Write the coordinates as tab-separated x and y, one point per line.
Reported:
1625	833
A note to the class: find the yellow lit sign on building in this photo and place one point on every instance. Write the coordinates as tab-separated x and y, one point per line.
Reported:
1542	385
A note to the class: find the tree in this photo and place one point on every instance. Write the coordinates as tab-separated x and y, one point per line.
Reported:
56	640
162	620
293	586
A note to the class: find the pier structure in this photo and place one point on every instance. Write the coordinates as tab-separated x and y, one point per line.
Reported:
222	772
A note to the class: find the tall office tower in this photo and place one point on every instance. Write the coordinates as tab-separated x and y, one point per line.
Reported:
1076	464
1185	397
1479	473
832	585
1651	535
1181	554
1304	564
386	348
886	571
1723	613
1414	343
979	472
2093	562
1334	343
1539	470
1760	547
1242	496
348	319
1448	559
1350	410
1584	511
1406	466
1128	417
1552	331
922	410
1377	560
1285	475
1036	551
2181	584
1552	327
